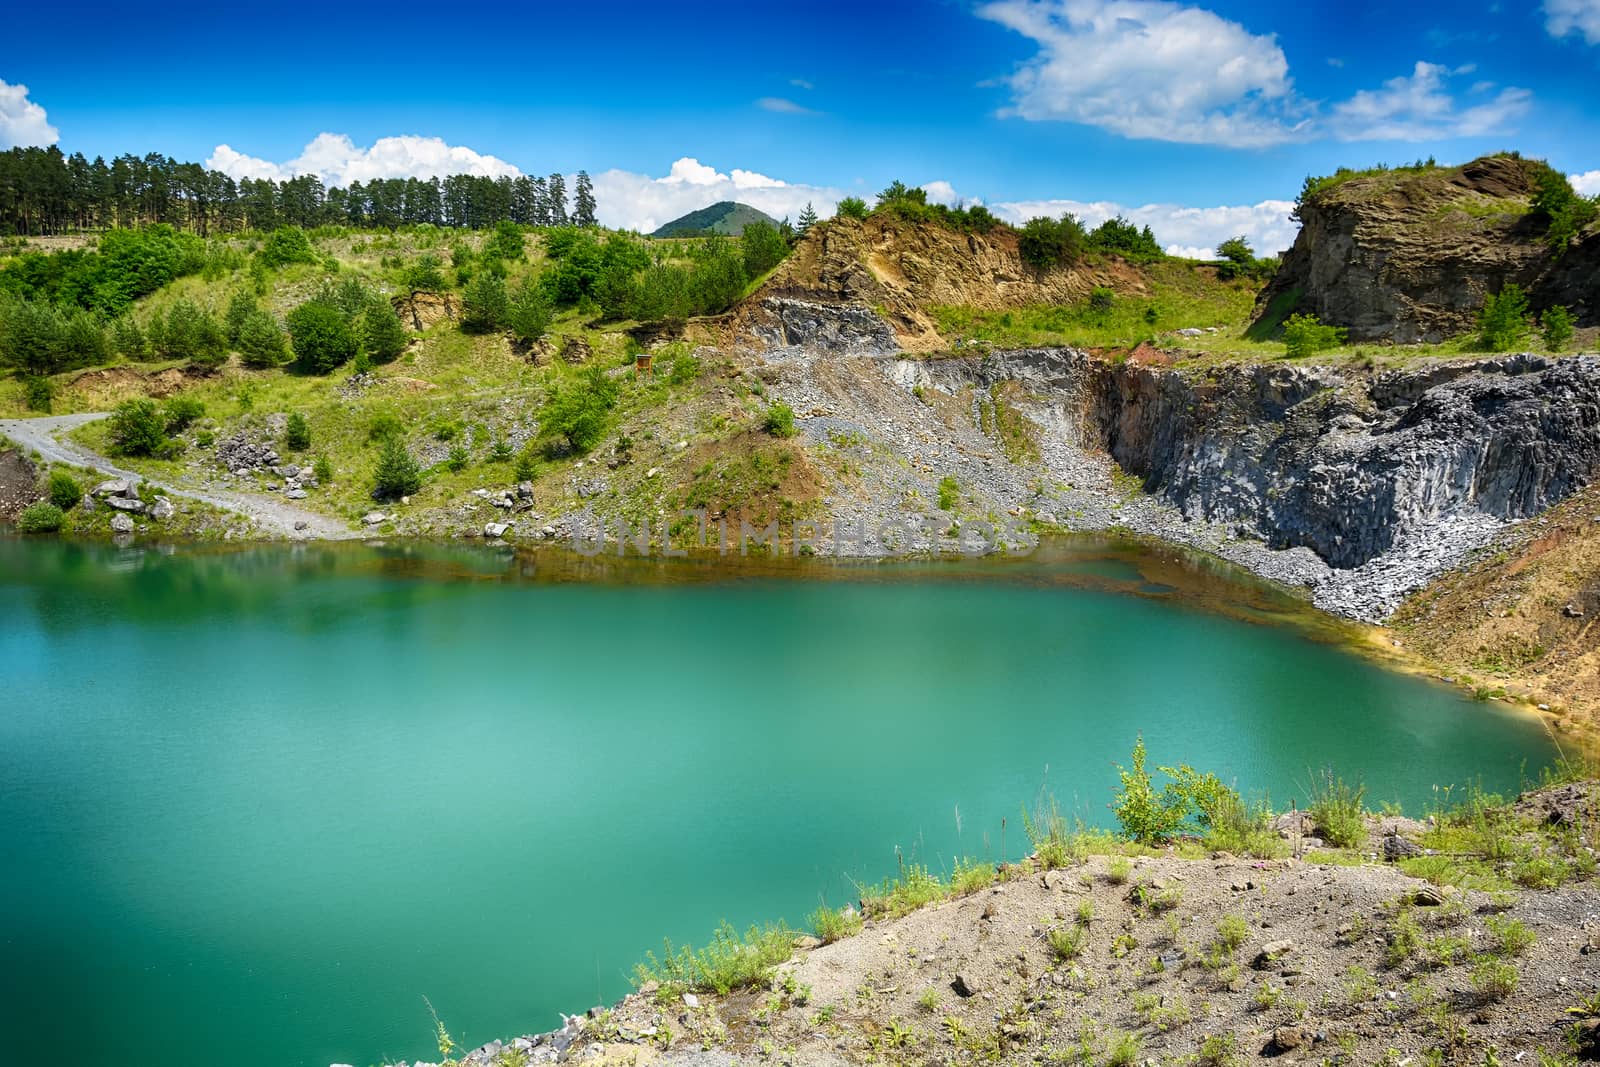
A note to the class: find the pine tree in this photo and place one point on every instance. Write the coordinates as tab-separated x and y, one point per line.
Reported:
808	219
541	203
557	186
583	195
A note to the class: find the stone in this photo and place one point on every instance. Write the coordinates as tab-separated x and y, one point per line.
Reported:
1241	885
1586	1036
495	529
805	942
1433	896
524	490
1286	1039
295	494
123	503
121	524
291	471
114	487
1271	953
373	518
964	986
1572	611
301	524
87	503
162	509
690	1000
1396	847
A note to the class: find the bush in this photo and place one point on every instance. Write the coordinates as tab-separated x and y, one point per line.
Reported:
1145	815
42	517
1556	326
1119	236
685	369
261	343
296	433
322	470
38	392
949	493
1494	979
383	335
1305	335
728	963
321	336
1565	212
779	421
484	306
529	312
286	245
192	333
832	925
458	458
1045	244
1337	810
578	409
182	411
1503	319
1101	298
65	492
384	426
138	428
398	474
851	207
763	248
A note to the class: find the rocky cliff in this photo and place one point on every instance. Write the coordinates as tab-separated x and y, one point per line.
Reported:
1408	257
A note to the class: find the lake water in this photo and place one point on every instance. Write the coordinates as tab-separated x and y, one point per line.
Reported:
255	804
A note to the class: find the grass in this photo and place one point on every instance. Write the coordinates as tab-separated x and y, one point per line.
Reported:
728	962
831	925
1066	942
1337	809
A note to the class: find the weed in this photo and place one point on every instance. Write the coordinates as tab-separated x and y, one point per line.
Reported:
727	963
1231	932
1404	940
1359	984
1510	937
1218	1050
1494	979
929	1000
1124	1050
1118	869
1337	809
1066	942
1266	996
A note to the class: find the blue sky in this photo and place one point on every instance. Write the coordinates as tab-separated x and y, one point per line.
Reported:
1033	104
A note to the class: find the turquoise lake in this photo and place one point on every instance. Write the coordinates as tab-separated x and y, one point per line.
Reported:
255	804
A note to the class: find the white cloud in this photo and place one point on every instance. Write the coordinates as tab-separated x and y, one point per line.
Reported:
782	106
1151	69
337	160
1587	183
1182	231
1417	108
1160	70
639	202
943	193
22	122
1563	17
801	83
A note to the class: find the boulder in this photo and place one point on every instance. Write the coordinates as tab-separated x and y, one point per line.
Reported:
373	518
162	509
1286	1039
496	529
114	487
125	503
1271	953
121	524
964	986
295	494
1396	847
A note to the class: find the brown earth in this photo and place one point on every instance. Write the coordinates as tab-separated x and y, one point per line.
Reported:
1525	619
902	269
104	389
19	484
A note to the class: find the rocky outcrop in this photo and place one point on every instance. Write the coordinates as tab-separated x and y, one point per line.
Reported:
19	483
1410	257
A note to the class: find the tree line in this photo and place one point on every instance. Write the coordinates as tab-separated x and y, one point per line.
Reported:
44	191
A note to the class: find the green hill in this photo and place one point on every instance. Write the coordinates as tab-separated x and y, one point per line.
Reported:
726	218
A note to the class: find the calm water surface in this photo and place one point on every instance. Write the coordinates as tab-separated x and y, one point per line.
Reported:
255	804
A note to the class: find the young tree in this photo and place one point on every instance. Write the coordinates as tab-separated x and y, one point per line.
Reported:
763	248
1556	325
484	306
397	474
192	334
583	201
1504	318
138	428
556	198
808	219
383	335
261	341
321	336
851	207
505	241
296	433
578	410
286	245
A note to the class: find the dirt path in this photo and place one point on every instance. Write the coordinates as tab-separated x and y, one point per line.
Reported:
42	435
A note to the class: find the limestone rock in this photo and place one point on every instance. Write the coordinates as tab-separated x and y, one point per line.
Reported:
162	509
121	524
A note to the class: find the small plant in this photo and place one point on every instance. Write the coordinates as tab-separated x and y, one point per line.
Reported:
727	963
1118	870
1232	931
1494	979
1053	844
1359	984
1217	1050
949	493
322	470
1504	319
1337	810
296	433
1123	1050
458	458
1066	942
40	517
971	876
929	1000
1404	940
779	421
1266	996
1146	816
1085	914
1305	335
832	925
1510	937
397	474
1556	326
65	492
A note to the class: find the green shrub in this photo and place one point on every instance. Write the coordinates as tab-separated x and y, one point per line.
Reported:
1564	211
529	312
38	392
832	925
851	207
138	428
383	426
261	343
182	412
1045	244
322	470
296	432
685	369
1337	810
779	421
286	245
728	963
1066	942
321	336
383	335
1101	298
763	248
191	333
949	493
458	459
1556	326
484	305
1494	979
1145	815
41	517
65	492
578	411
1504	319
1305	335
398	474
915	887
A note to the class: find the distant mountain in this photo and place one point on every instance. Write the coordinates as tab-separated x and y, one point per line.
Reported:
727	218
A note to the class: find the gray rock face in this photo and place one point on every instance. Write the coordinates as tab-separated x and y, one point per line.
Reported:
818	327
